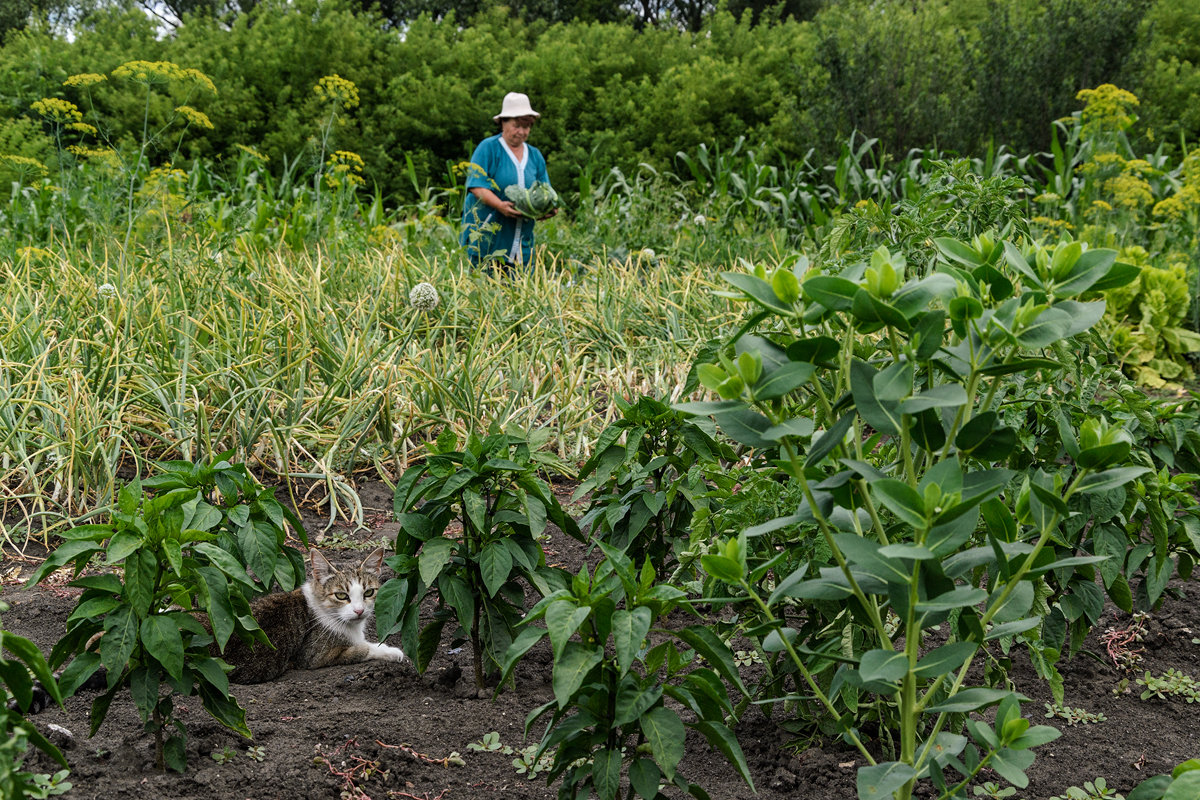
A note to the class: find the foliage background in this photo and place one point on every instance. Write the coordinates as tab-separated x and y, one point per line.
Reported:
614	88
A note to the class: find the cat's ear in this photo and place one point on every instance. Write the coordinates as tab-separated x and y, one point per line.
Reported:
374	562
322	570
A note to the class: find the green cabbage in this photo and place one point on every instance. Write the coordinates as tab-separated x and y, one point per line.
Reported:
536	201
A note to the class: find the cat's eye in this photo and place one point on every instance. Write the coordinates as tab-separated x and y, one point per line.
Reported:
368	592
341	596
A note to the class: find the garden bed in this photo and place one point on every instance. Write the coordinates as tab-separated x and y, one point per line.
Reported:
381	730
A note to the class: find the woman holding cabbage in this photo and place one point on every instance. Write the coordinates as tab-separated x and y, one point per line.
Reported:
508	188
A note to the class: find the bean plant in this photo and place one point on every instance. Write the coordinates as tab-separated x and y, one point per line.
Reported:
185	540
904	480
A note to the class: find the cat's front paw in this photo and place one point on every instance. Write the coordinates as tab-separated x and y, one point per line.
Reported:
385	652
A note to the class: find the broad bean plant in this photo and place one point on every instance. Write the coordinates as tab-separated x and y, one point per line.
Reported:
877	393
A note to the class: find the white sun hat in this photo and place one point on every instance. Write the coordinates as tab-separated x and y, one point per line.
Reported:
515	105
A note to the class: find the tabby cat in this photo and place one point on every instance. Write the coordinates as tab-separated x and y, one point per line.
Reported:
318	625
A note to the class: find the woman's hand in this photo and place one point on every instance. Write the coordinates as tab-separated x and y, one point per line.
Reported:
507	208
553	212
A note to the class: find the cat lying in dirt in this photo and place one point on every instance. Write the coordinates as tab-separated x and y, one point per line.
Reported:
321	624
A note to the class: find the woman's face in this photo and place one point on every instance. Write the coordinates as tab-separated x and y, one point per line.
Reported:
515	130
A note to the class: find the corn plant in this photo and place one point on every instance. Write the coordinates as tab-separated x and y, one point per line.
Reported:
903	479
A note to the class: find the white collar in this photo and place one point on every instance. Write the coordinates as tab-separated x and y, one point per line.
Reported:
521	162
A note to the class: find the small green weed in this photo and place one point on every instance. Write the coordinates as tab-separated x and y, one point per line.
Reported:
1073	716
1171	683
1091	790
223	756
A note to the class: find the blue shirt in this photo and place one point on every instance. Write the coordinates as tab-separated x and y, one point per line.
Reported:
486	232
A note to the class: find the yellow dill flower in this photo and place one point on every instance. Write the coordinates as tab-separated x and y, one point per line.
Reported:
1107	108
149	73
863	204
250	151
82	127
1047	222
345	157
337	90
1100	205
57	110
95	153
383	234
85	79
1171	208
33	252
1141	166
23	165
1128	191
200	79
194	117
1047	197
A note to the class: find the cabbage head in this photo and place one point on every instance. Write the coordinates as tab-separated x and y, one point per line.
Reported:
536	201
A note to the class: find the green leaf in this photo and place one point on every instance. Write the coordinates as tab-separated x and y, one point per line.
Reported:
948	395
79	551
141	569
571	669
1011	765
161	638
705	641
644	777
229	565
1184	787
435	554
606	773
457	594
563	618
958	597
427	643
143	687
902	500
633	700
82	667
495	565
836	294
721	738
830	439
862	386
722	568
888	666
665	733
259	548
1012	628
881	780
758	290
119	640
1111	478
629	629
784	380
220	610
970	700
944	659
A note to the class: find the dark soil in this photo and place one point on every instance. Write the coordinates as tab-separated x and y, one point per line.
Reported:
380	730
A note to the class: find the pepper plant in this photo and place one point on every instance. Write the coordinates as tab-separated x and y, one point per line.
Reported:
180	541
877	396
493	486
609	721
646	479
22	668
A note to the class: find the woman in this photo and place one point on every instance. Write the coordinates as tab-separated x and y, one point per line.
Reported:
493	229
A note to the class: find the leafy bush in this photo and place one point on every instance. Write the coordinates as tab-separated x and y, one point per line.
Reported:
183	541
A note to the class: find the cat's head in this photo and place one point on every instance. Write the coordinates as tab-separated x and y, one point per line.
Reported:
346	596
